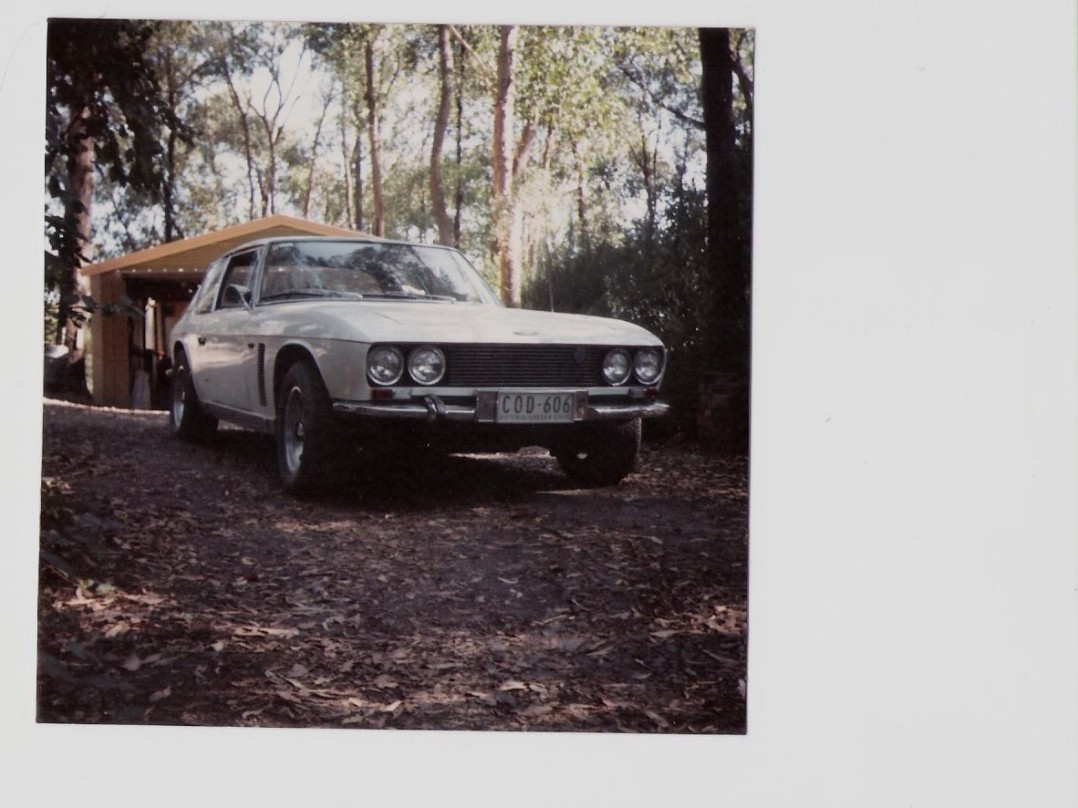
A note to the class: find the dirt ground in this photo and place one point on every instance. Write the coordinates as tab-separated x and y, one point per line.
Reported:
180	586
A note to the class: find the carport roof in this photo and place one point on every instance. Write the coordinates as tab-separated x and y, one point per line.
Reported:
193	255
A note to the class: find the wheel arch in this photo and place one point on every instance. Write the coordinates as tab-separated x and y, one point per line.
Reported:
287	356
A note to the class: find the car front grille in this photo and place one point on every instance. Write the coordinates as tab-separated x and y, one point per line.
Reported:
524	365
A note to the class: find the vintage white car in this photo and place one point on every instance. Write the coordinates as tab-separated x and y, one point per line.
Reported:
334	345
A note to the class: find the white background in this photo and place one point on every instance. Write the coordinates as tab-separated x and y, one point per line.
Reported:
914	554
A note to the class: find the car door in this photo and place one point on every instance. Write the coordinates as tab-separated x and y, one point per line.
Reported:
225	343
199	322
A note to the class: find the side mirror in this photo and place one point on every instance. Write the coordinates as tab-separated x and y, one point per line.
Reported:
236	295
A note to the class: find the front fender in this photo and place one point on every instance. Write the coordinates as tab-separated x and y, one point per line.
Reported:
340	363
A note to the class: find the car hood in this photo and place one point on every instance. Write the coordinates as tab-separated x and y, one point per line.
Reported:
419	321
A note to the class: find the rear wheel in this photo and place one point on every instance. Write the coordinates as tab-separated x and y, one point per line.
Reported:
189	421
605	455
304	430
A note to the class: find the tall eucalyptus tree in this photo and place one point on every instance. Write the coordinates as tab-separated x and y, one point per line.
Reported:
446	78
506	224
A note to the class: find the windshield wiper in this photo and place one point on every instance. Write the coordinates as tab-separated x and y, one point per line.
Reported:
410	296
311	293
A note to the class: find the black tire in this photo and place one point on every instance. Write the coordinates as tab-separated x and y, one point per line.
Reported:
305	430
604	455
189	421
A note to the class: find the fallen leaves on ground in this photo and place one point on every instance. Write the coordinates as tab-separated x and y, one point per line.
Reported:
179	586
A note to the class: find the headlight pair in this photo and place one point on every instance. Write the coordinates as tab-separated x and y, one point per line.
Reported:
646	364
385	365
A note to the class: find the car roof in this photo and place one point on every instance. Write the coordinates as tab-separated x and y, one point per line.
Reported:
262	242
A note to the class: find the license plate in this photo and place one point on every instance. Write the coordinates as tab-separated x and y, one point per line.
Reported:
534	408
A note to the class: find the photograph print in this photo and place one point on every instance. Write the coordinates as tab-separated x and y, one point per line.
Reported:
396	376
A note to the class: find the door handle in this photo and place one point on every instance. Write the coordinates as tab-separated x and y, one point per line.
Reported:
201	340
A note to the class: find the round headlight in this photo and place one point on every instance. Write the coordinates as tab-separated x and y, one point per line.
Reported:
427	365
384	364
617	366
648	365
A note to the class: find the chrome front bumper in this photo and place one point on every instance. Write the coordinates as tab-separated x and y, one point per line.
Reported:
432	408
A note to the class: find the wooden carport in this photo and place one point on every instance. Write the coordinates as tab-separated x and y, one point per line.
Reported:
127	356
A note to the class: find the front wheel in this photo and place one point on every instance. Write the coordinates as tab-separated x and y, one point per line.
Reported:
188	420
605	455
304	430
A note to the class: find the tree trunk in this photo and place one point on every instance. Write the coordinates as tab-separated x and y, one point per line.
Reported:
648	163
77	211
169	188
505	220
581	198
172	230
378	225
248	152
729	302
80	179
345	155
357	172
268	181
269	201
458	197
441	123
314	157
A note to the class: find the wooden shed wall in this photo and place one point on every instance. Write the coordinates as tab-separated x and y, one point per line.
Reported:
109	346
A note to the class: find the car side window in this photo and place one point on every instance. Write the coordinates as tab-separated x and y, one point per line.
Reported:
206	294
239	272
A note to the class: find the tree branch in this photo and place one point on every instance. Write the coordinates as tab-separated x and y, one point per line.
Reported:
527	138
677	113
743	80
488	79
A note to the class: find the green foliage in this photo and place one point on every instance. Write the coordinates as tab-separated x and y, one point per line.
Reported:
100	75
562	80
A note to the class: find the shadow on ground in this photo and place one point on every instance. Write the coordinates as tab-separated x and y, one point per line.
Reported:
180	586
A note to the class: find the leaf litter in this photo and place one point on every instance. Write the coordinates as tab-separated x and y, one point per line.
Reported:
471	593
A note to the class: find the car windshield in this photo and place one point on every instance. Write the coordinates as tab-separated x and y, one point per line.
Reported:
370	270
